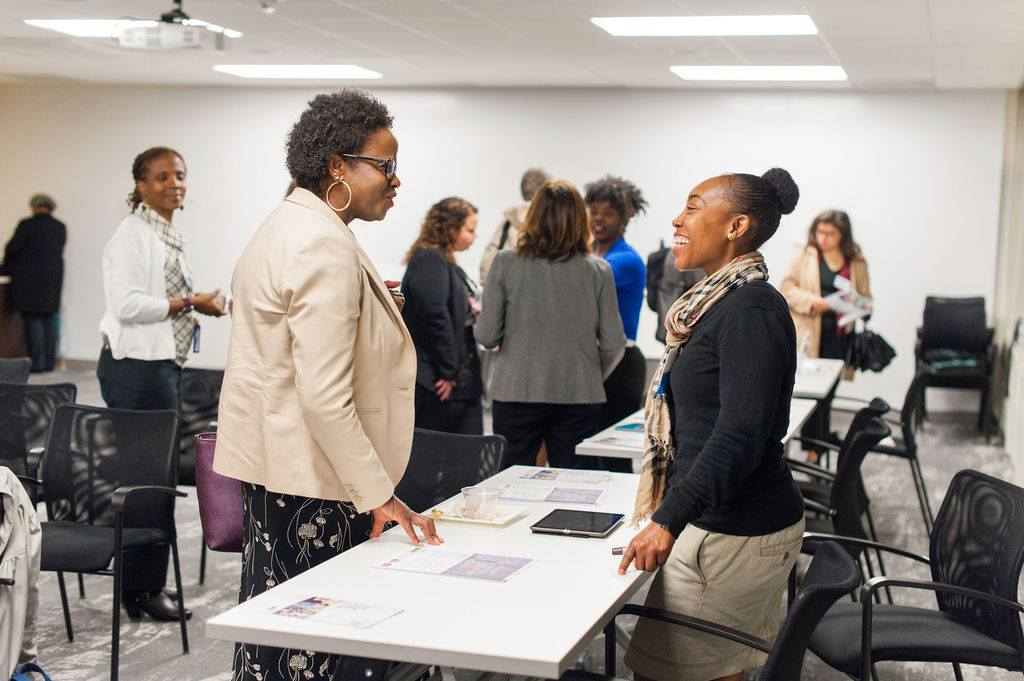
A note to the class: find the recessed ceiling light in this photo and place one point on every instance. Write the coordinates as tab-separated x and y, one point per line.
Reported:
761	73
89	28
298	71
766	24
111	28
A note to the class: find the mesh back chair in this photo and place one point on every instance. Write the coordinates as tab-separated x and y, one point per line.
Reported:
25	415
976	553
200	397
831	575
955	340
109	476
15	370
441	464
905	446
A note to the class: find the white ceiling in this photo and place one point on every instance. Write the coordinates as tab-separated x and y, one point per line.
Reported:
882	44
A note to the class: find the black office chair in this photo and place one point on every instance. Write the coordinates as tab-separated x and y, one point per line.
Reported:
25	415
108	476
846	508
200	397
976	554
15	370
955	340
441	464
831	575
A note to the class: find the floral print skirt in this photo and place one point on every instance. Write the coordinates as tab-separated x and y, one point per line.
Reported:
285	535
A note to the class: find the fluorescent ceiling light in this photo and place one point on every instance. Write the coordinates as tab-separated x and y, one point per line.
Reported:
767	24
761	73
111	28
297	71
89	28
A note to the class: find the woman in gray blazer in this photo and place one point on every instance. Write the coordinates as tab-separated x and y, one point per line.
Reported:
550	310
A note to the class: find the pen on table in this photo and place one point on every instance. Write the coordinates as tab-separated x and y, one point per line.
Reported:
618	550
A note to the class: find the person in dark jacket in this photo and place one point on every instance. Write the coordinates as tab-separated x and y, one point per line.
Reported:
440	309
34	259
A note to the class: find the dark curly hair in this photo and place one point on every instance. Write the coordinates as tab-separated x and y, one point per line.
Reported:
625	196
338	123
140	166
765	199
442	225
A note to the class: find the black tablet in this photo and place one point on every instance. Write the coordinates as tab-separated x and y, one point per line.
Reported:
577	523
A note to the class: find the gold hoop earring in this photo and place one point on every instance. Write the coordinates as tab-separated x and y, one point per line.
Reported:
327	196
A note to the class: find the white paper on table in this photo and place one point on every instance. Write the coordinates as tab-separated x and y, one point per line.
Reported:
431	561
585	477
337	611
566	495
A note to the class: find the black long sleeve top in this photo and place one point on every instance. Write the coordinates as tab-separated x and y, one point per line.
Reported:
729	394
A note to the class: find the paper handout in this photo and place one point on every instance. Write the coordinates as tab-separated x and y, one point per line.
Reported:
565	495
431	561
337	611
585	477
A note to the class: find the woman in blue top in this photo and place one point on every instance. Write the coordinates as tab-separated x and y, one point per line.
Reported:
611	204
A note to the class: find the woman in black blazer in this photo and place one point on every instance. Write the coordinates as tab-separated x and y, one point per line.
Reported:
440	309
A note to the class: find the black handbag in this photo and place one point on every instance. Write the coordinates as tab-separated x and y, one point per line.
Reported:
868	351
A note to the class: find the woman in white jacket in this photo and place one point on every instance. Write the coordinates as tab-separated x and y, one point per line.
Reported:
148	329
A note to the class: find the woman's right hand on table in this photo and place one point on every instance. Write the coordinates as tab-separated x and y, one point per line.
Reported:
396	510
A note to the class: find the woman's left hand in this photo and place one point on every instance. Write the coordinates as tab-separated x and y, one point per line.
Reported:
648	550
393	289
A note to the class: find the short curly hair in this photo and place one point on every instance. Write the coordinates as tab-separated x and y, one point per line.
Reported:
442	225
338	123
624	196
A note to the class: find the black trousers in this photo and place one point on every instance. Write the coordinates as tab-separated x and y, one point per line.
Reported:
285	535
624	389
463	417
562	426
140	384
41	339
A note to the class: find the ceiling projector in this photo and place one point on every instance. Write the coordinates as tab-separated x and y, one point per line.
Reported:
174	31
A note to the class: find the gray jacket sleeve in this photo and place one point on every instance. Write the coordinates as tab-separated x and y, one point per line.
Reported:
611	336
490	325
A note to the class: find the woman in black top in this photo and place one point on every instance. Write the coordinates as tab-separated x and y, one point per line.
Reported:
440	309
727	517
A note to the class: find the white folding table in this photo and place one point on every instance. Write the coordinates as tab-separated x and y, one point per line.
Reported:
625	439
816	378
535	624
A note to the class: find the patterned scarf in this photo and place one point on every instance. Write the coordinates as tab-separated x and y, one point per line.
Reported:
177	284
682	317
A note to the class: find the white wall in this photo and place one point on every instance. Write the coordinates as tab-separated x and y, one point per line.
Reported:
918	173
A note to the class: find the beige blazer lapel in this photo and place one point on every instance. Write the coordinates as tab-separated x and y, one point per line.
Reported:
310	200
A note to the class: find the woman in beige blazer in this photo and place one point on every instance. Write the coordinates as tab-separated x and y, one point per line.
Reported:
316	411
830	261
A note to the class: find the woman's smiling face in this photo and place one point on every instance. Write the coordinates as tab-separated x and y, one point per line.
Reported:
702	230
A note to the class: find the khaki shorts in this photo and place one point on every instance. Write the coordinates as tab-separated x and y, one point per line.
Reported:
734	581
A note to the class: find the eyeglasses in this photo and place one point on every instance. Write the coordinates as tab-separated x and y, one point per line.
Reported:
388	166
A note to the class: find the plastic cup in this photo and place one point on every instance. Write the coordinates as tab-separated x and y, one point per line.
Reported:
479	502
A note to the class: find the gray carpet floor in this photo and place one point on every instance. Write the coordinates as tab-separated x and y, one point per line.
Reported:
152	651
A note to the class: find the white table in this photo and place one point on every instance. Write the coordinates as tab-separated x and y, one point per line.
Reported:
625	440
535	624
816	378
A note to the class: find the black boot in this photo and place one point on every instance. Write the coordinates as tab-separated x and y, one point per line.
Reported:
158	606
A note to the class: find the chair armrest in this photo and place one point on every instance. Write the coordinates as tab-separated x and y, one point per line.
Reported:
212	424
820	444
811	469
29	479
819	507
697	624
853	541
120	496
894	450
872	585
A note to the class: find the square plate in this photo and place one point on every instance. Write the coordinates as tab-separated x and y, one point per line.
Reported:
503	515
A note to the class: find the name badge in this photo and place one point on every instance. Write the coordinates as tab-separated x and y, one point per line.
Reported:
195	338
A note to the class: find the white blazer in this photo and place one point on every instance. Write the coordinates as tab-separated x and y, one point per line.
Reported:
136	322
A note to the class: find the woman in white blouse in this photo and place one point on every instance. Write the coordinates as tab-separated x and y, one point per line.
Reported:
148	330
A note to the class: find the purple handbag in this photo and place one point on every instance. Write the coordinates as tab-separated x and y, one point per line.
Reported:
220	500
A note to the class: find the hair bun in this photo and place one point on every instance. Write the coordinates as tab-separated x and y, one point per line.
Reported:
785	188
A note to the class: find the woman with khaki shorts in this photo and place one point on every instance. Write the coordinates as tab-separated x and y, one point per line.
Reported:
726	516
